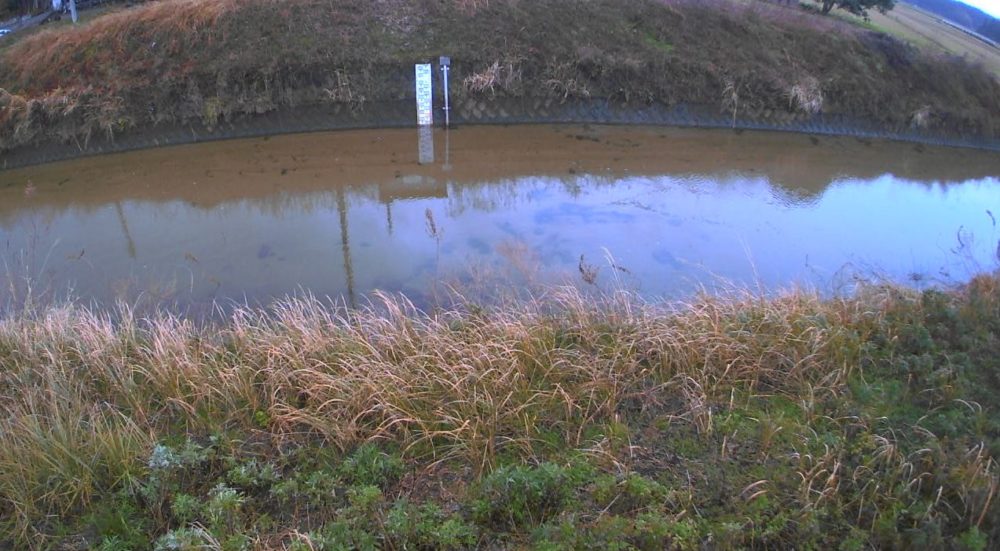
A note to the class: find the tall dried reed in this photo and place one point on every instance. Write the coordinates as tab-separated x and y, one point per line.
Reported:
86	393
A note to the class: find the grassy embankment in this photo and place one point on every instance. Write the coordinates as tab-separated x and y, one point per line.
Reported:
212	60
923	29
565	423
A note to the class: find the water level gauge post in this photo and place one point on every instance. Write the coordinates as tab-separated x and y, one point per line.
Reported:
424	92
445	63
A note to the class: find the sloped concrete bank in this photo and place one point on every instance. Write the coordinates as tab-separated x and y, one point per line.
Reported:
401	114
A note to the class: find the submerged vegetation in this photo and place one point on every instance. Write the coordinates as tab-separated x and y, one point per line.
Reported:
567	422
210	62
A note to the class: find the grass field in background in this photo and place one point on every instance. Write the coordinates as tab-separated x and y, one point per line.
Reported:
928	32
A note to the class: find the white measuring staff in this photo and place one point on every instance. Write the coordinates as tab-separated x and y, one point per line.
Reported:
425	95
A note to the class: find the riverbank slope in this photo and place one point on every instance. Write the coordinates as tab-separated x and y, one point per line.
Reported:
207	62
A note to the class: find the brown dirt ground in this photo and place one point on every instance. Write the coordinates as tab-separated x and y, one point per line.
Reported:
215	60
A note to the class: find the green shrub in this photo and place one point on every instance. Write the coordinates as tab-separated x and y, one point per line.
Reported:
570	533
224	509
120	524
368	466
654	531
253	476
183	539
427	527
518	496
364	500
972	539
342	536
648	531
629	493
316	489
174	470
185	508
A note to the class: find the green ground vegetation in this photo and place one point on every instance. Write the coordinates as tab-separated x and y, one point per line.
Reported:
212	61
570	422
927	32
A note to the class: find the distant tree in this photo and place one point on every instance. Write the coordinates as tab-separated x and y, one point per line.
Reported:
857	7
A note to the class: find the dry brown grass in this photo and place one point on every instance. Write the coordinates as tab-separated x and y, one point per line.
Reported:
84	396
505	76
61	49
806	96
926	31
921	118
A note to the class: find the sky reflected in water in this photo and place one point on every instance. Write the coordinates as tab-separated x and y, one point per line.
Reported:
661	211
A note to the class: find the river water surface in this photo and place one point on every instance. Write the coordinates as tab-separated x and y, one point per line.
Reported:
660	211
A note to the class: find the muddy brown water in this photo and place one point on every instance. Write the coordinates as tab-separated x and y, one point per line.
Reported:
660	211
